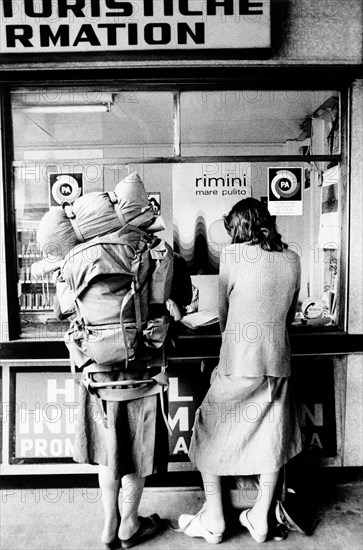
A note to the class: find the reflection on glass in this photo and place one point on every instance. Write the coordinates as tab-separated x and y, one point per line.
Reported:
255	122
86	137
309	224
110	125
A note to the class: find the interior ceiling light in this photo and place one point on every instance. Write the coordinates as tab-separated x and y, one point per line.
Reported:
64	102
104	108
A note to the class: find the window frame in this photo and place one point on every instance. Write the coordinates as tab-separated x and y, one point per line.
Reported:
176	89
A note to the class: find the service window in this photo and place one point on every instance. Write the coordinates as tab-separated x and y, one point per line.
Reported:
237	131
197	152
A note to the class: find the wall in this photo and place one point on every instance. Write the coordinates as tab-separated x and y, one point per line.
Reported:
355	317
353	440
353	448
3	291
303	32
311	31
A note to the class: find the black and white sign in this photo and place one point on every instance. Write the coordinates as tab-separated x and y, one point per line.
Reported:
64	188
284	191
108	25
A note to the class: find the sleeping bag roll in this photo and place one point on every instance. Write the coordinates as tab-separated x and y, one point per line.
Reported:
94	215
55	234
133	202
100	213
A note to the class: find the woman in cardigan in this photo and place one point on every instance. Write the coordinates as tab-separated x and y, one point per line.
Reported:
246	424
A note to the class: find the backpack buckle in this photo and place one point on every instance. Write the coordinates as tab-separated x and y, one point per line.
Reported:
152	241
67	207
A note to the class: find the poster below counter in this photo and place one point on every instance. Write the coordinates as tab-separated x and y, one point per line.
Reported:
43	411
46	406
43	414
202	195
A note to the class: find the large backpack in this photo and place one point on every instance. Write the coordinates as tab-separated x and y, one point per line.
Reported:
117	283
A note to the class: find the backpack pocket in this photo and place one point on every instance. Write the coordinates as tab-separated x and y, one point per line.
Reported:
65	297
105	344
79	358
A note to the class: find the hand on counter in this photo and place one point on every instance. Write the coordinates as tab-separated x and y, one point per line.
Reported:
173	310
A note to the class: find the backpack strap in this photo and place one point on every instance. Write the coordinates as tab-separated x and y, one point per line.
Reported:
127	390
68	209
70	335
151	240
146	214
135	290
113	198
72	361
137	303
284	483
125	301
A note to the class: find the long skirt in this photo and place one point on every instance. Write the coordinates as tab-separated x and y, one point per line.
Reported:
127	436
245	426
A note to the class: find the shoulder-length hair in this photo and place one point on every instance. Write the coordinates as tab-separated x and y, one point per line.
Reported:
250	222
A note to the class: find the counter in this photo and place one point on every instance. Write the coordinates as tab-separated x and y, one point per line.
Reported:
40	398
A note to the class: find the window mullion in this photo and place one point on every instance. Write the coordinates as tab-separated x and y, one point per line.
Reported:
177	123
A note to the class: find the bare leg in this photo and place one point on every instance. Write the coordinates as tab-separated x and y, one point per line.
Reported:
258	515
110	488
213	518
132	488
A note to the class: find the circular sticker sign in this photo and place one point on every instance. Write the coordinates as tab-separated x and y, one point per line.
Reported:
65	188
285	184
312	308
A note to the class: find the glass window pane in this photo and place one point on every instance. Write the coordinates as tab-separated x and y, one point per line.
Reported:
118	125
251	122
309	224
86	137
36	294
54	136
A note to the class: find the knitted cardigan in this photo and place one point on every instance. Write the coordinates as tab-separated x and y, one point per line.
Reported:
258	292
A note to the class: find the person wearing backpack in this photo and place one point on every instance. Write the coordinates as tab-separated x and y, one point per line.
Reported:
122	424
119	290
247	424
129	439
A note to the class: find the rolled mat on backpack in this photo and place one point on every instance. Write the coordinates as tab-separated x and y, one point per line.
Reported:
96	214
133	202
92	215
55	235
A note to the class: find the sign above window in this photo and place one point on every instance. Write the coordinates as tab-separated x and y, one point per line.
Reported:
139	25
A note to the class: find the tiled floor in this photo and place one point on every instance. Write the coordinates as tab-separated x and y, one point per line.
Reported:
71	519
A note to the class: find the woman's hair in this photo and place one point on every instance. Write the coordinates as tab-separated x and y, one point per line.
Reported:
250	221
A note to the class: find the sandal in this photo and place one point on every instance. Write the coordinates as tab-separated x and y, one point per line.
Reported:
113	545
192	527
245	522
148	528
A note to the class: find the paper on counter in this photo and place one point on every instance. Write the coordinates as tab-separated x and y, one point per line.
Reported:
199	319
